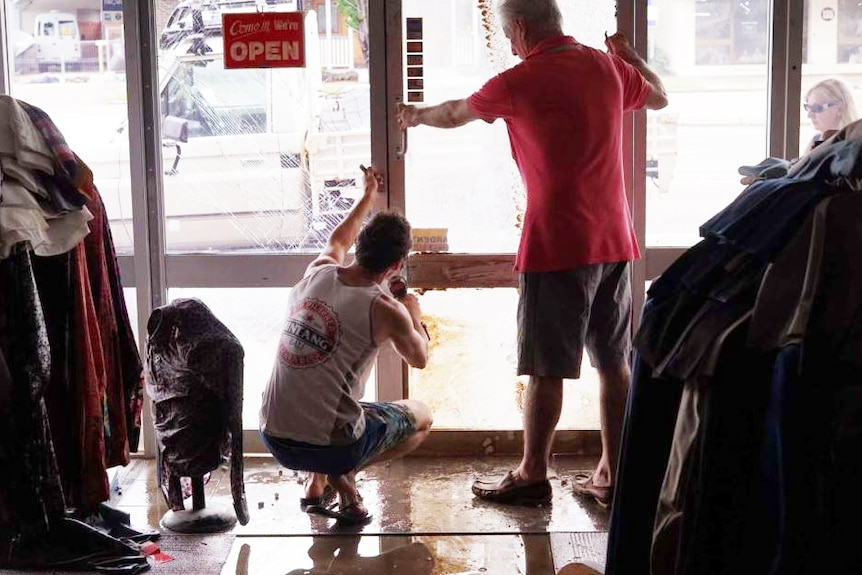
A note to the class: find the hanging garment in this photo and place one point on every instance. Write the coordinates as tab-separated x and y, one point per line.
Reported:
30	490
24	219
123	369
194	377
749	469
34	153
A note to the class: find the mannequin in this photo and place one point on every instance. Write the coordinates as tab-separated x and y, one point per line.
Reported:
194	378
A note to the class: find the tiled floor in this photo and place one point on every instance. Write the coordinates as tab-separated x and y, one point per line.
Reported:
425	521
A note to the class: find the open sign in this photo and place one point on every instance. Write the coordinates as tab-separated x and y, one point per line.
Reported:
264	40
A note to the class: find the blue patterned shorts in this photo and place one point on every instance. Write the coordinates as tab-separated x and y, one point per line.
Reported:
386	425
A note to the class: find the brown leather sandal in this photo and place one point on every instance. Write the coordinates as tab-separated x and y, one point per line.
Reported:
582	484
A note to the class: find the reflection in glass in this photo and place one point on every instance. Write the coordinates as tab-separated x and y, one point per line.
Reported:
348	554
823	63
470	381
70	62
255	316
716	118
729	31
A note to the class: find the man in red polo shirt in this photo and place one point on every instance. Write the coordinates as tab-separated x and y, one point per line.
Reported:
563	106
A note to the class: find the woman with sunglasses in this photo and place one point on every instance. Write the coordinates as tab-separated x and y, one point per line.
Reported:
830	107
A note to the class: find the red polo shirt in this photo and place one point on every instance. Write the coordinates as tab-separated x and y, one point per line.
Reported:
564	109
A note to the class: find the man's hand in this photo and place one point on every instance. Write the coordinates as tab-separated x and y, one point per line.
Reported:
345	233
408	116
373	180
411	302
618	45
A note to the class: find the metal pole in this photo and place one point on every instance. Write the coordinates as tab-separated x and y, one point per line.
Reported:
328	28
785	77
145	163
6	60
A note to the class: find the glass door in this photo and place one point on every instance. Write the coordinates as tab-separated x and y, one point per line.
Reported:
259	165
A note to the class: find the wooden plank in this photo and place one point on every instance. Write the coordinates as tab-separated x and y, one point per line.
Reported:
443	271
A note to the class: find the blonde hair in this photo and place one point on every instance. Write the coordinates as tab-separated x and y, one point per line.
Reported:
835	89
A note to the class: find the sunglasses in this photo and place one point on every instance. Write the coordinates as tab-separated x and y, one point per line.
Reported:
818	108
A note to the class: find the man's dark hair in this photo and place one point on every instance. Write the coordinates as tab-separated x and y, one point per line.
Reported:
384	240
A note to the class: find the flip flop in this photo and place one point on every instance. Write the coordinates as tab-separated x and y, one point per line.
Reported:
512	492
350	514
353	514
582	484
324	501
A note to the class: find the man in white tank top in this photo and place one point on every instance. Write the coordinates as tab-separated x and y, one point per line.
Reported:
338	316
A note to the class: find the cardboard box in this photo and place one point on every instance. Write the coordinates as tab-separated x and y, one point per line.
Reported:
430	239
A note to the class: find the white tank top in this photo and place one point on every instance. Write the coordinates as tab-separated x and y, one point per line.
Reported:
325	355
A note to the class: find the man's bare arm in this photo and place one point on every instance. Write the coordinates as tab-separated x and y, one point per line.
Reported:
449	114
619	45
402	324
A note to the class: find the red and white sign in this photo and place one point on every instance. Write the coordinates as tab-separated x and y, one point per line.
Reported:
264	40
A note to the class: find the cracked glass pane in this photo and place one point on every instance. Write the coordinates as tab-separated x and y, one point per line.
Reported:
263	159
69	60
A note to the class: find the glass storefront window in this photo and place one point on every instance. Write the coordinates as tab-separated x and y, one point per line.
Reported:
131	295
730	31
717	115
68	59
259	159
470	381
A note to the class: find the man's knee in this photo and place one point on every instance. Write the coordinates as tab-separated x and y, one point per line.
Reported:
617	374
421	413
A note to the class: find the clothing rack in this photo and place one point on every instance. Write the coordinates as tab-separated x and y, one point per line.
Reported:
70	372
741	442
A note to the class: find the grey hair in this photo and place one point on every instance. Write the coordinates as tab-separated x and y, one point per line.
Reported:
835	89
538	14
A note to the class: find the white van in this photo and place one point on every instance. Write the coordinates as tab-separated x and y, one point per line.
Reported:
57	40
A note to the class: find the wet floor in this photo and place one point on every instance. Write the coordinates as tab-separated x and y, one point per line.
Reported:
425	521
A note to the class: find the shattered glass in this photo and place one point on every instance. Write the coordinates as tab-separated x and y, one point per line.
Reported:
263	159
470	381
